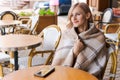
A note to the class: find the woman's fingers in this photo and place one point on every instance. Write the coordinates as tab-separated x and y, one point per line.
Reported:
78	47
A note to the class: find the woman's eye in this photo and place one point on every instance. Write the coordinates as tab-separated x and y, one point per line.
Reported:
75	15
78	14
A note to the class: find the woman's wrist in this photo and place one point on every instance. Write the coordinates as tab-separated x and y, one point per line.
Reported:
74	53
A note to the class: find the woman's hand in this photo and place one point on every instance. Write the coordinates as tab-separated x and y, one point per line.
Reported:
78	47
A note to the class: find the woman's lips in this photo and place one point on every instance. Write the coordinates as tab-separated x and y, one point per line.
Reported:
75	21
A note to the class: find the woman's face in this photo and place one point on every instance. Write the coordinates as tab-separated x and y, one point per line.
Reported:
78	17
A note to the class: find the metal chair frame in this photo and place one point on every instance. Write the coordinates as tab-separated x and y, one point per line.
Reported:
106	19
3	14
5	57
35	52
30	27
8	15
116	46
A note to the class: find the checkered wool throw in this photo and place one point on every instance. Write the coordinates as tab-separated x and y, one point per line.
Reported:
91	59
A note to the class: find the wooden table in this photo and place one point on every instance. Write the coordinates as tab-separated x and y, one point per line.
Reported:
7	23
15	42
60	73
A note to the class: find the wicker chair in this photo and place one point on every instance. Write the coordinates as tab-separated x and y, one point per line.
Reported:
3	57
115	30
30	27
106	18
112	28
51	36
114	42
8	15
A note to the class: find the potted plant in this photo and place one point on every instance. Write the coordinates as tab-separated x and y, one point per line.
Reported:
24	16
22	13
47	17
44	12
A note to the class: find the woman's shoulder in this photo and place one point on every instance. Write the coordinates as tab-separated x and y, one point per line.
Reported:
101	37
68	31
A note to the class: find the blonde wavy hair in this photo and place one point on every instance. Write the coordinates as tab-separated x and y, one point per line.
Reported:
86	10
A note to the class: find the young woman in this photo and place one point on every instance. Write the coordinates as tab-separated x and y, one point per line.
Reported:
54	4
82	46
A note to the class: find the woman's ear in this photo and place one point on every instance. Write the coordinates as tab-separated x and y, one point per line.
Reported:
87	15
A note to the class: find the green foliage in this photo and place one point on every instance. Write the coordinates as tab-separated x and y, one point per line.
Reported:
43	12
22	13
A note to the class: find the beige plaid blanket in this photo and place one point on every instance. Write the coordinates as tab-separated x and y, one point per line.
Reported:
91	59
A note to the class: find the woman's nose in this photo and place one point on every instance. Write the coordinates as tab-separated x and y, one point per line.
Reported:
74	16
